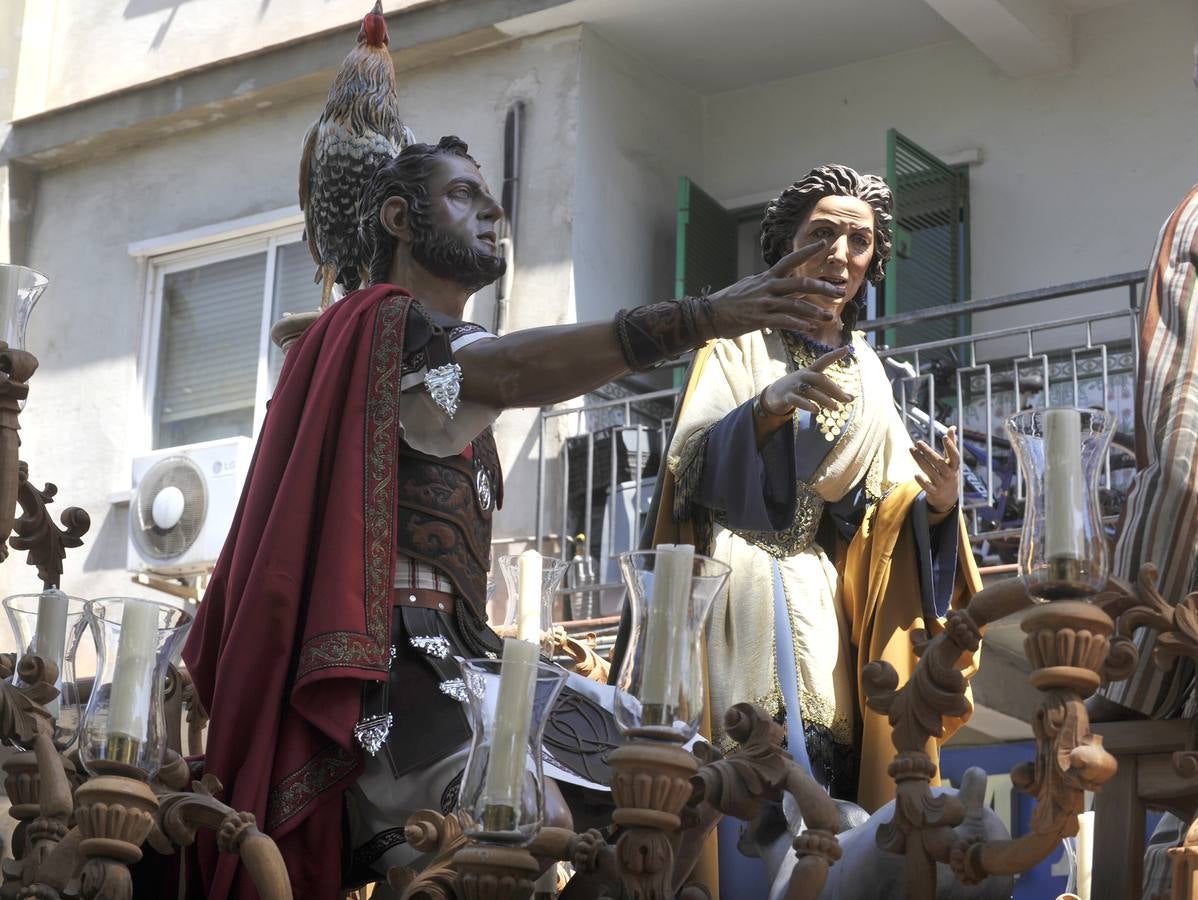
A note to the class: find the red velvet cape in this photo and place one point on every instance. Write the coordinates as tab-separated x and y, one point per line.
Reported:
296	616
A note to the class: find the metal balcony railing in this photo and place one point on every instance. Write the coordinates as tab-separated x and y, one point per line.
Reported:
602	478
975	381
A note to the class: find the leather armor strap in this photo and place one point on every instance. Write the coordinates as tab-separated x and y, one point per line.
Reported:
438	601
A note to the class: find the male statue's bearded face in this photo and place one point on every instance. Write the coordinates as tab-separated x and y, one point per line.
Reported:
458	240
449	256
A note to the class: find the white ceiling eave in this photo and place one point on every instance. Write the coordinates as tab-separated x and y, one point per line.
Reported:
1021	37
712	46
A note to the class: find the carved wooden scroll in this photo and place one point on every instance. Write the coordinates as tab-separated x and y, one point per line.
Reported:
36	531
1069	643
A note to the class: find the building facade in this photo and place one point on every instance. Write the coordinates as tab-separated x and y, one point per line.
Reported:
149	164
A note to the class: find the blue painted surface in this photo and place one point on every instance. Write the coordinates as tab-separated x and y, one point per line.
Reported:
1039	883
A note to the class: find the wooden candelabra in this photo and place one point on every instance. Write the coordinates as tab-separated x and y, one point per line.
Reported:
78	834
16	368
667	801
1069	644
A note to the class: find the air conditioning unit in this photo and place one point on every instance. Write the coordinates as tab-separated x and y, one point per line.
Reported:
183	503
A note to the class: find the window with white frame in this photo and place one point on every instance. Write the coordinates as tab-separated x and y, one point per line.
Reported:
211	364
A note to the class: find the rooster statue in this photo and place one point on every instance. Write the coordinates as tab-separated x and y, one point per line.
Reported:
359	130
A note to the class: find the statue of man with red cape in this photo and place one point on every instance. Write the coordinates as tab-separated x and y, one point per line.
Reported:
356	566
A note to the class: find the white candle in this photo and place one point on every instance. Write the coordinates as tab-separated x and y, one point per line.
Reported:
504	783
665	630
133	680
528	601
1064	522
1085	854
51	638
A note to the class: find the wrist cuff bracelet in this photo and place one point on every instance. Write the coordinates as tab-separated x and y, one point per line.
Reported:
650	335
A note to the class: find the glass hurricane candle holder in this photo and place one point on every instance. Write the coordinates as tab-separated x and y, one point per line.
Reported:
659	689
50	625
124	725
1063	546
502	797
535	610
20	288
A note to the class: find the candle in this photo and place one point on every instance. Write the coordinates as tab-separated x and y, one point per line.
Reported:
51	638
666	629
1064	520
504	784
528	601
133	679
1085	854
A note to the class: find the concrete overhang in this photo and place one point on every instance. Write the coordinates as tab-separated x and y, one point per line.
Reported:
421	34
713	46
1022	37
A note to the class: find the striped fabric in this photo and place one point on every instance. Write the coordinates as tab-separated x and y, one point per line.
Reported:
1158	868
1160	522
410	573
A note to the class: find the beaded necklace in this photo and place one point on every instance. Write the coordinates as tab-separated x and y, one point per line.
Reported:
803	351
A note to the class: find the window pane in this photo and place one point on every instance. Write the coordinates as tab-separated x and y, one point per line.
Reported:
208	351
295	291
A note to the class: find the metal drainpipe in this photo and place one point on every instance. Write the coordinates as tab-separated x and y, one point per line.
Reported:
512	141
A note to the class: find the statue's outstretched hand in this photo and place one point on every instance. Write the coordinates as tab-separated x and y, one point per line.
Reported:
807	389
940	473
774	299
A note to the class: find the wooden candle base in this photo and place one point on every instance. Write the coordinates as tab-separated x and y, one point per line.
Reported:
650	785
114	815
487	872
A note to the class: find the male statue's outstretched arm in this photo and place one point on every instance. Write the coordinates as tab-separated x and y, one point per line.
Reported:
538	366
429	226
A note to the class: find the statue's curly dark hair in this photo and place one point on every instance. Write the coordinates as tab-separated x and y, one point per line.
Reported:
784	216
404	176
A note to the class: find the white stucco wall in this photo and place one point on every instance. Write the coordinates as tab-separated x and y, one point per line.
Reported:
76	49
80	424
637	133
1080	168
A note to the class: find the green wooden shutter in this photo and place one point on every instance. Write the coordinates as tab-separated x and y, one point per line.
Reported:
705	254
705	246
930	266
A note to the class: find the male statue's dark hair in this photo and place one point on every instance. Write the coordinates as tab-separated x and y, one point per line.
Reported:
784	217
407	176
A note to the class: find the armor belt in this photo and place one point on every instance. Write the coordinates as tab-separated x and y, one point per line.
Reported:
425	599
444	514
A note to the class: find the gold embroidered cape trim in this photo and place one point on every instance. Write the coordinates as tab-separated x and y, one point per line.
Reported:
296	791
382	439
